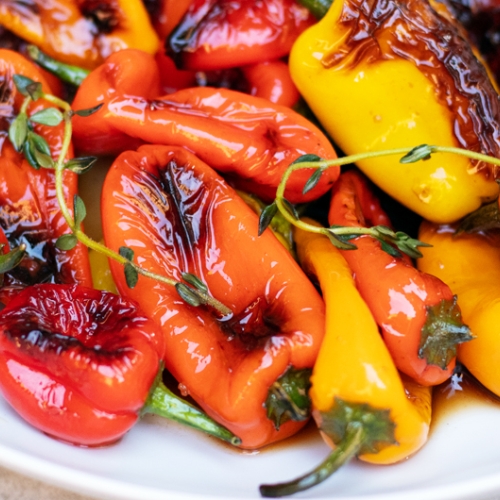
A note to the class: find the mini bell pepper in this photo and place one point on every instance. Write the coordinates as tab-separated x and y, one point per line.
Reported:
82	365
249	139
362	407
470	265
439	94
169	14
178	216
29	212
271	80
417	313
218	34
81	32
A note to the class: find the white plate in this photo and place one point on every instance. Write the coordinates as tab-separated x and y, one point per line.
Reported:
162	460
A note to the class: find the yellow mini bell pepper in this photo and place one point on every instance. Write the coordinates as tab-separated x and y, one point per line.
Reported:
359	401
470	265
377	79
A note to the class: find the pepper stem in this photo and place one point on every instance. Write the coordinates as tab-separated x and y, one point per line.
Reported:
165	403
347	449
67	73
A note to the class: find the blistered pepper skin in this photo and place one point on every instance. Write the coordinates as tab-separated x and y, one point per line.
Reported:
82	33
29	210
77	363
247	138
178	216
218	34
369	89
353	364
470	265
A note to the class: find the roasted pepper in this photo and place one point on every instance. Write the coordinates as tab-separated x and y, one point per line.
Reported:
249	139
439	94
29	213
217	34
362	407
81	32
271	80
470	265
417	313
175	213
82	365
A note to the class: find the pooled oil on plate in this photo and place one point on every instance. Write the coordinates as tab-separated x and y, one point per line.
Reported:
161	460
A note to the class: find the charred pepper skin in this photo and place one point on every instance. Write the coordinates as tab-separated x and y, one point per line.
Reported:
81	32
246	138
77	363
29	212
178	216
417	313
219	34
440	94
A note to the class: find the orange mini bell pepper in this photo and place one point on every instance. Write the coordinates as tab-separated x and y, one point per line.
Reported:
417	313
362	407
29	212
247	138
81	32
178	216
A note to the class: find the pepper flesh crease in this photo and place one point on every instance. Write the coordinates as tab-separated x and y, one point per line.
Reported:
381	75
179	216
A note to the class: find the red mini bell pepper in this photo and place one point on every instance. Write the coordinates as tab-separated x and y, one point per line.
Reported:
272	80
81	365
417	313
178	216
218	34
246	138
29	212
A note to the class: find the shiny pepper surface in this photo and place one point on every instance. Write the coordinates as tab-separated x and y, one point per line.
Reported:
354	365
217	34
77	363
417	313
247	138
390	74
178	216
470	265
362	407
29	211
81	32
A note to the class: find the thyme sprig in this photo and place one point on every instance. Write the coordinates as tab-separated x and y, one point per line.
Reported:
36	150
392	242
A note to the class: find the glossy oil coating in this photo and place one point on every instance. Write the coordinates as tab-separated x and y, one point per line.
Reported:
29	211
218	34
354	365
77	363
83	32
398	295
178	216
382	75
246	137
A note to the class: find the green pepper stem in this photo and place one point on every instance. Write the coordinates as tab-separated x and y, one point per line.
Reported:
347	449
165	403
318	8
67	73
